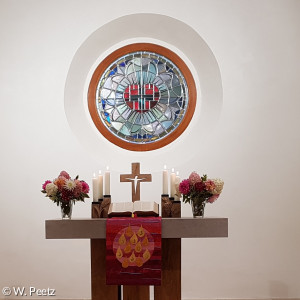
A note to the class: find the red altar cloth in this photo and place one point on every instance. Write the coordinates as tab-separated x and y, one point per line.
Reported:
133	251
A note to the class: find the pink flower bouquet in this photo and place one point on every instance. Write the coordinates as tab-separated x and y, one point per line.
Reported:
63	189
199	190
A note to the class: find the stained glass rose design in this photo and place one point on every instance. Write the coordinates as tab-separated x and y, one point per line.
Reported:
142	97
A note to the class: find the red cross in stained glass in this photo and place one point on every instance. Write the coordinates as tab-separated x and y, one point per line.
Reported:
141	98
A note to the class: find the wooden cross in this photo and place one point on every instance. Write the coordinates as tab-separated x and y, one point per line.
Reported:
135	178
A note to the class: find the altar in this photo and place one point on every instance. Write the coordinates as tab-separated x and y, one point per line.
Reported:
173	230
105	284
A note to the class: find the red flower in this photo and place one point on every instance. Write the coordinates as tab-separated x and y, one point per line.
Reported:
45	184
184	187
66	195
85	187
199	186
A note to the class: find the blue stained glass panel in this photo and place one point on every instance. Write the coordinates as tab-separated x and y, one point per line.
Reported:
146	96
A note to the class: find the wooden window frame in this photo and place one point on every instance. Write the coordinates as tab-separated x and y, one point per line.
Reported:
192	95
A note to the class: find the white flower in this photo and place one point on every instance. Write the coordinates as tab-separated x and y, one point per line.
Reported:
51	189
219	183
70	185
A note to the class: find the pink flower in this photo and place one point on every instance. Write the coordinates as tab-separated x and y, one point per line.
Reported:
65	174
199	186
184	187
85	187
213	198
194	177
78	184
78	189
209	185
45	184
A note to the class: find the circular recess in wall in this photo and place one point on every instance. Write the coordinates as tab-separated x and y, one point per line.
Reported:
142	97
174	35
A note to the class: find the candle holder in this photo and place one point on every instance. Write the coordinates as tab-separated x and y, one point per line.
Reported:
169	207
105	206
96	213
100	208
166	206
176	209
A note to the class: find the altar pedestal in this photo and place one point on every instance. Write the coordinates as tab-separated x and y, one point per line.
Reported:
173	229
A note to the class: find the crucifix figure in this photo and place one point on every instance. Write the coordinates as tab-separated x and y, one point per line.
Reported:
135	178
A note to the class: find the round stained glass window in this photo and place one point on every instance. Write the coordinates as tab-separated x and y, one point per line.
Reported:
142	97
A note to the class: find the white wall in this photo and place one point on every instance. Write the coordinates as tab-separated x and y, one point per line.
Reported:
254	146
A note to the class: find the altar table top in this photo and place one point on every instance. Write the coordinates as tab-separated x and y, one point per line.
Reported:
171	228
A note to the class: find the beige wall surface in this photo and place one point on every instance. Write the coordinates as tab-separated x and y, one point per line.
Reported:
244	56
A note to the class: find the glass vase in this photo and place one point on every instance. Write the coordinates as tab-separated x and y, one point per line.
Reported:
66	209
198	209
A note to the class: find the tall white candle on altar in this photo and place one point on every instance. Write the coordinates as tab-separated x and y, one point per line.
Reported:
107	181
177	181
165	190
172	183
100	185
95	188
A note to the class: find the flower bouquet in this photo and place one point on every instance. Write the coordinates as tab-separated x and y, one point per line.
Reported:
198	190
65	191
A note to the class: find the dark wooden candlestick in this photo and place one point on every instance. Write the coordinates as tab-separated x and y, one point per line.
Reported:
96	213
169	207
166	206
176	209
105	206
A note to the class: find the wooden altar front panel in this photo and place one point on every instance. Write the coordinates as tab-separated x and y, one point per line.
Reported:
170	288
99	288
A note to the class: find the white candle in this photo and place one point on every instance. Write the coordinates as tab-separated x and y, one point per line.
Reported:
100	185
172	183
177	181
95	188
107	181
165	181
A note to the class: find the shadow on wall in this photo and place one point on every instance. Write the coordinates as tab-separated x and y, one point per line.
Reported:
278	289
